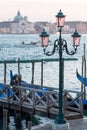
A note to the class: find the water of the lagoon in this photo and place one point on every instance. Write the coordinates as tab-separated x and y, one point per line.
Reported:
11	48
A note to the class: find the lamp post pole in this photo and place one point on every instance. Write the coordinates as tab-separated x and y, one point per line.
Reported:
60	116
60	45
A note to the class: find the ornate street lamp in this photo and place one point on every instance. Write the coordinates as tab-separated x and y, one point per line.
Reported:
60	45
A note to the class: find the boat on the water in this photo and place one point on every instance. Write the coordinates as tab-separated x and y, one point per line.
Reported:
84	81
34	43
81	78
4	91
15	80
23	43
31	43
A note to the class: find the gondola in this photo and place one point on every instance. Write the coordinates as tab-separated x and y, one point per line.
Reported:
81	78
4	91
84	81
25	84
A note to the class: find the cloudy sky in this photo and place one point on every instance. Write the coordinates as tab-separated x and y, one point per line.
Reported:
43	10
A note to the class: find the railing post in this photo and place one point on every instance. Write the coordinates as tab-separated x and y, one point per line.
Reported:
41	72
32	81
4	72
64	100
48	113
20	96
8	93
33	99
18	66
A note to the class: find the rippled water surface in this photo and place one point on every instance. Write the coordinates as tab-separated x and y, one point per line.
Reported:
12	48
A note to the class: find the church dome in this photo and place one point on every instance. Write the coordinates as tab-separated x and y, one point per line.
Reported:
18	17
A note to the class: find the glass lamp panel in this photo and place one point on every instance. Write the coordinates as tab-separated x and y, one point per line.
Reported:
60	21
76	41
44	41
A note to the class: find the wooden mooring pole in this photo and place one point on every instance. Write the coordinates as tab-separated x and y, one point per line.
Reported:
29	125
18	119
5	119
83	88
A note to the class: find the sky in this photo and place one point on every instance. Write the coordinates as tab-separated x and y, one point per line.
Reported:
43	10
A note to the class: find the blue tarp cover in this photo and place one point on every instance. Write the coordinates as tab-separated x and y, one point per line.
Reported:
81	79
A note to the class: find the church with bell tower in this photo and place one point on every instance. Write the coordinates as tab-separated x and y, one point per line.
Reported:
19	25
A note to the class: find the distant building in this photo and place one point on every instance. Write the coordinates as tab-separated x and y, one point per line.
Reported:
40	25
19	25
82	27
4	27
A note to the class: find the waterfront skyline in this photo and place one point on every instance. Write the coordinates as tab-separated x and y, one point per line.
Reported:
43	10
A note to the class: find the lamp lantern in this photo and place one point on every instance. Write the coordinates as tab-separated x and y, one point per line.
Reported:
44	38
60	19
76	38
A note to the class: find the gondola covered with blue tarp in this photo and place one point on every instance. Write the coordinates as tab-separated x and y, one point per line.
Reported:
4	93
84	81
81	78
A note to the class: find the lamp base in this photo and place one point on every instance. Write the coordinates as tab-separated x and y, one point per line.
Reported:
60	118
60	121
61	126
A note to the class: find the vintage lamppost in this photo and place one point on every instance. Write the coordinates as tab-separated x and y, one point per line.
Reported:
60	45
